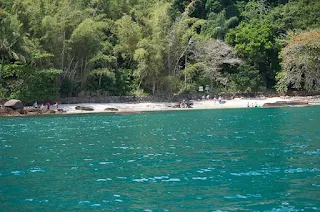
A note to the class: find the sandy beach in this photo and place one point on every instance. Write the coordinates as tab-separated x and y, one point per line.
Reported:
167	106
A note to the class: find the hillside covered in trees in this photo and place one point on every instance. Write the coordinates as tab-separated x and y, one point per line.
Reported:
61	48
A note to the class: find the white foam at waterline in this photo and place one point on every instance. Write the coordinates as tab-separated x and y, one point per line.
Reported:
172	180
199	178
140	180
16	172
84	202
104	180
36	169
237	196
106	162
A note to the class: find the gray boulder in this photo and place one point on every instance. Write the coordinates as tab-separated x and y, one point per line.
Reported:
111	109
285	104
14	104
86	108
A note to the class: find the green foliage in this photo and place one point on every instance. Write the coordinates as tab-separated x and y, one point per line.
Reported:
296	15
151	51
255	10
252	40
217	58
129	34
216	6
69	87
246	79
85	39
101	80
3	93
151	46
301	62
256	43
14	44
101	60
218	25
177	8
29	85
123	84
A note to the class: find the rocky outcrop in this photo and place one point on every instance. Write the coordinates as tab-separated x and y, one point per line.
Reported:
285	104
7	111
14	104
85	108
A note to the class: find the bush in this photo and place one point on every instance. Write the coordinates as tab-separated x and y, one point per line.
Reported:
29	85
247	79
2	93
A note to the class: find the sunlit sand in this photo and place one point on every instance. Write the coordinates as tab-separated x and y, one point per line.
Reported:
197	104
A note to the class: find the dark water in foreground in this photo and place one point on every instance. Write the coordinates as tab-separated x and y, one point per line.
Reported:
206	160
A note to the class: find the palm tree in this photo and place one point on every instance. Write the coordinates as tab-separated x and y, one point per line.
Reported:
13	42
218	25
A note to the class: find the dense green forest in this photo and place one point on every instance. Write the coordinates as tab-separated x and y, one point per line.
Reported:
61	48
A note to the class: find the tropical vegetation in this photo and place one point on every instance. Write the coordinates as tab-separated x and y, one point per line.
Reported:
61	48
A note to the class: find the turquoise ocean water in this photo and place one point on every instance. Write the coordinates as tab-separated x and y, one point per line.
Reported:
201	160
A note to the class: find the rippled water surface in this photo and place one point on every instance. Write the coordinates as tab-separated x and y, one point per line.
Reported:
205	160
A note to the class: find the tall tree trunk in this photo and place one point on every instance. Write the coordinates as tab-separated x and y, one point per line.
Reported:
95	11
63	50
153	85
81	69
123	5
68	71
85	65
185	72
100	77
73	72
85	73
1	69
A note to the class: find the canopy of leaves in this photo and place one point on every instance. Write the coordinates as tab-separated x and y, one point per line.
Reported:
123	47
301	62
215	55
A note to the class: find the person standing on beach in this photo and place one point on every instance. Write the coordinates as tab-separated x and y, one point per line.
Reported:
57	105
48	105
35	104
214	100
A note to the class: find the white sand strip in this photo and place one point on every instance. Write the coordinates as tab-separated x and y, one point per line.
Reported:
160	106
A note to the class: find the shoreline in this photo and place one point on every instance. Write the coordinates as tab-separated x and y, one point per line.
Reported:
125	108
136	108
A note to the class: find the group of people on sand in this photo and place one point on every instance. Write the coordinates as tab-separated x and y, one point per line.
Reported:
46	106
184	104
207	97
253	105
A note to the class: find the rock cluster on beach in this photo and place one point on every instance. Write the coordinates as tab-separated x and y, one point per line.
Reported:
14	104
111	109
15	107
285	104
85	108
